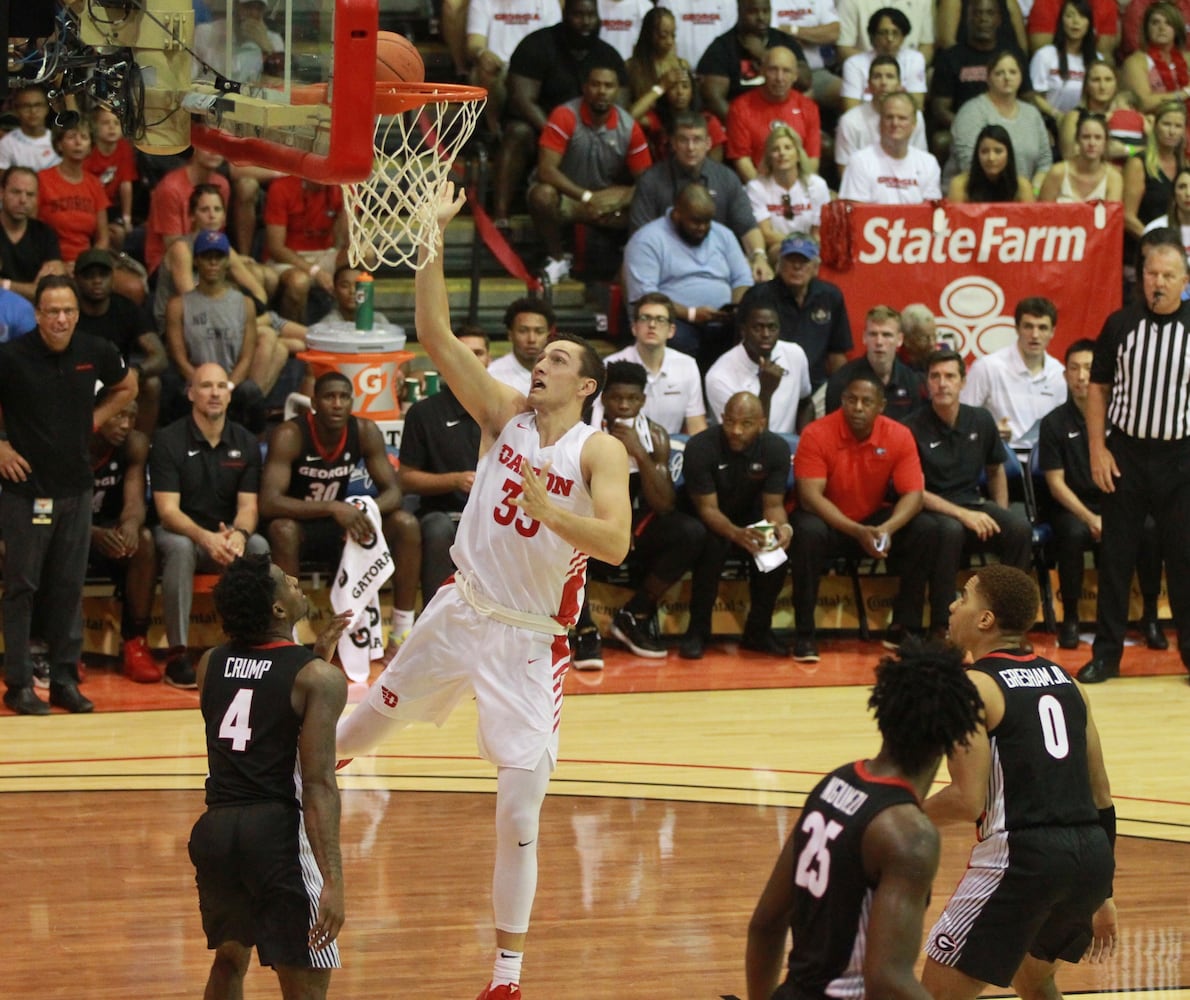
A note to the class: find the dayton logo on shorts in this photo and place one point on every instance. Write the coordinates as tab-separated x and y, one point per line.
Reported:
389	698
944	942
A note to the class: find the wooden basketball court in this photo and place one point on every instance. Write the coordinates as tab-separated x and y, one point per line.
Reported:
677	786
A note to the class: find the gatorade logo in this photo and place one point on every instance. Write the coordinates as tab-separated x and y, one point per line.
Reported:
370	381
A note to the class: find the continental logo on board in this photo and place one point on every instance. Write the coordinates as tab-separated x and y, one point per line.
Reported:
891	241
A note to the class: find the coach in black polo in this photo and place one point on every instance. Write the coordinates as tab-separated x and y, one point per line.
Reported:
1140	387
957	443
47	391
205	472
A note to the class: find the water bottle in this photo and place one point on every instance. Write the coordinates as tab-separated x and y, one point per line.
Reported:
364	295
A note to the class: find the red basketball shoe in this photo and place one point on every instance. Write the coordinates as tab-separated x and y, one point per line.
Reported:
504	991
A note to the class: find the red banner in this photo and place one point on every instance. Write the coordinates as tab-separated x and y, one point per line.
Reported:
971	264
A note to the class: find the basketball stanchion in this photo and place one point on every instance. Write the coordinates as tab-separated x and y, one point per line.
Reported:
420	130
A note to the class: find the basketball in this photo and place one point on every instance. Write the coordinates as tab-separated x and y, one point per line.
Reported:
397	59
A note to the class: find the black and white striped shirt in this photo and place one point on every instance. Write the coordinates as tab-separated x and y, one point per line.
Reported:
1145	358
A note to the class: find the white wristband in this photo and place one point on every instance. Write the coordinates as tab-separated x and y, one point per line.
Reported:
314	270
691	312
658	90
587	196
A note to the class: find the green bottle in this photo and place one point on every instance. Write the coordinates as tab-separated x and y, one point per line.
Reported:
364	295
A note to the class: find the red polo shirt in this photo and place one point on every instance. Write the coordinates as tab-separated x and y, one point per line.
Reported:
857	473
752	116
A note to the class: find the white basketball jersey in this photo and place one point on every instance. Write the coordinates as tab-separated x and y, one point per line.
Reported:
508	556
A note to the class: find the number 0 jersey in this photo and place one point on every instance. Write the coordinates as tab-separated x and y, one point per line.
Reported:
320	474
832	896
504	552
1039	774
252	730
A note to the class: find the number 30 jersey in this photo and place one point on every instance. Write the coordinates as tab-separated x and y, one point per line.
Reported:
252	729
322	475
509	556
1039	774
832	896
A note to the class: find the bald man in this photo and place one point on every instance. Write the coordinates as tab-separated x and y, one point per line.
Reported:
698	263
736	475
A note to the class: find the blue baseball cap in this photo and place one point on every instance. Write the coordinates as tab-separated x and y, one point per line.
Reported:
793	244
211	241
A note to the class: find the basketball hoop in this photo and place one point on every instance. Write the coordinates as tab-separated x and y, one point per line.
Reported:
420	129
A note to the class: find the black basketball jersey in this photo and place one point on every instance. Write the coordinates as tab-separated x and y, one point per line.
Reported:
1039	774
107	501
319	474
252	730
832	895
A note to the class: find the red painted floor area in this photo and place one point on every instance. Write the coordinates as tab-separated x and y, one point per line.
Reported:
724	668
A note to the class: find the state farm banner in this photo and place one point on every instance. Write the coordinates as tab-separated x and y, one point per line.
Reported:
971	264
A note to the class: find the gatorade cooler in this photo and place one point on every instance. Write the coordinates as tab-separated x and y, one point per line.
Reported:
370	360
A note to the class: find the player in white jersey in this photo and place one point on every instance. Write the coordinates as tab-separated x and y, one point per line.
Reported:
549	492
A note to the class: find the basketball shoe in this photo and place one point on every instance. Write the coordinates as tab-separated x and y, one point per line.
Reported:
505	991
139	665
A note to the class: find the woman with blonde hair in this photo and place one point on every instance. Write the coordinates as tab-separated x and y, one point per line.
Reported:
787	197
1087	176
1148	176
1125	124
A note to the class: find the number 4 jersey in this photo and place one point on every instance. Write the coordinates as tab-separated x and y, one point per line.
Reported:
509	557
832	894
252	729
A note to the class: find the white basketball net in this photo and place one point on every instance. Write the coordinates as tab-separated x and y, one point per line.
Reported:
393	213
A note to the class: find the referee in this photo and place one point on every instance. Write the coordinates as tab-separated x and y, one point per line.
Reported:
1140	388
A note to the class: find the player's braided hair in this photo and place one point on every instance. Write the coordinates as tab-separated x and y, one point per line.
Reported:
925	704
244	598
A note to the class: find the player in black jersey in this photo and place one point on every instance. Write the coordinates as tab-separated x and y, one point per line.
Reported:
266	851
1038	884
122	548
854	877
304	487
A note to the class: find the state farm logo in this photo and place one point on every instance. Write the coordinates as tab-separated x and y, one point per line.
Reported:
893	241
970	316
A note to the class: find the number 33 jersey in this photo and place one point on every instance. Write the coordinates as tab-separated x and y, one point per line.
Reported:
832	894
509	556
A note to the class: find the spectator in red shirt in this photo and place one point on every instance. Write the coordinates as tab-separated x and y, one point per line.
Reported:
169	204
846	465
113	161
589	155
752	115
70	200
305	231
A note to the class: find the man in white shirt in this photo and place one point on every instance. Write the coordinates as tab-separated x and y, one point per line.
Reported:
776	370
853	25
1019	384
698	23
528	323
860	127
815	24
892	172
620	23
494	29
673	393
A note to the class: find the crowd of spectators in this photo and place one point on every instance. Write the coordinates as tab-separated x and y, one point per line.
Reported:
699	143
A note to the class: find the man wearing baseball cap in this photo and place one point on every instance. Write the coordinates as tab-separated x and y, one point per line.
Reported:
812	312
215	324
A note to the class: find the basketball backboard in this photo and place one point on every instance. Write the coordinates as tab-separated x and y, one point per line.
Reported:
285	84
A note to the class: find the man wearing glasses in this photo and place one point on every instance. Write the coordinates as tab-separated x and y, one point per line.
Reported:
673	394
658	187
47	393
